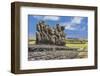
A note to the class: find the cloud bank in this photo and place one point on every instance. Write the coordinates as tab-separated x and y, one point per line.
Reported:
73	24
53	18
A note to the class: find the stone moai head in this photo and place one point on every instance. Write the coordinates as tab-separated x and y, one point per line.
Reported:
42	25
41	22
62	28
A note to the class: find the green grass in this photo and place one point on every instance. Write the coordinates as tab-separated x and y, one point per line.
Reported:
72	45
77	45
31	42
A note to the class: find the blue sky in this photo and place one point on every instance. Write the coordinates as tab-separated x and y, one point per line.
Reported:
75	26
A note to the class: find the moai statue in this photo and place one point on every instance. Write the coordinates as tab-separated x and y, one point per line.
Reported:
63	41
41	24
38	37
62	31
49	35
52	34
60	36
47	39
58	27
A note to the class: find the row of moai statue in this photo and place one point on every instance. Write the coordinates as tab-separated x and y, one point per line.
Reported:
48	35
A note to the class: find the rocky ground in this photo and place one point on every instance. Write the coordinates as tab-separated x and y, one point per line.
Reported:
35	53
48	55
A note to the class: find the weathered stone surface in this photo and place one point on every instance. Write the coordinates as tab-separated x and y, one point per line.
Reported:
55	55
47	52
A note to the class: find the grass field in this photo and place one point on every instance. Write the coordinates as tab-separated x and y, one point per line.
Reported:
31	42
80	46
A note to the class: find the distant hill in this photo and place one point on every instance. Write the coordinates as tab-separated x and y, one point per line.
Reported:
76	38
31	38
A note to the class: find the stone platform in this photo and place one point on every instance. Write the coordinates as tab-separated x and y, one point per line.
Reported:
50	52
50	48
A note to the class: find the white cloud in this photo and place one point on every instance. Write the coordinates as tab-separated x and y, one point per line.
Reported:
70	28
84	28
38	17
67	26
53	18
76	20
72	25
